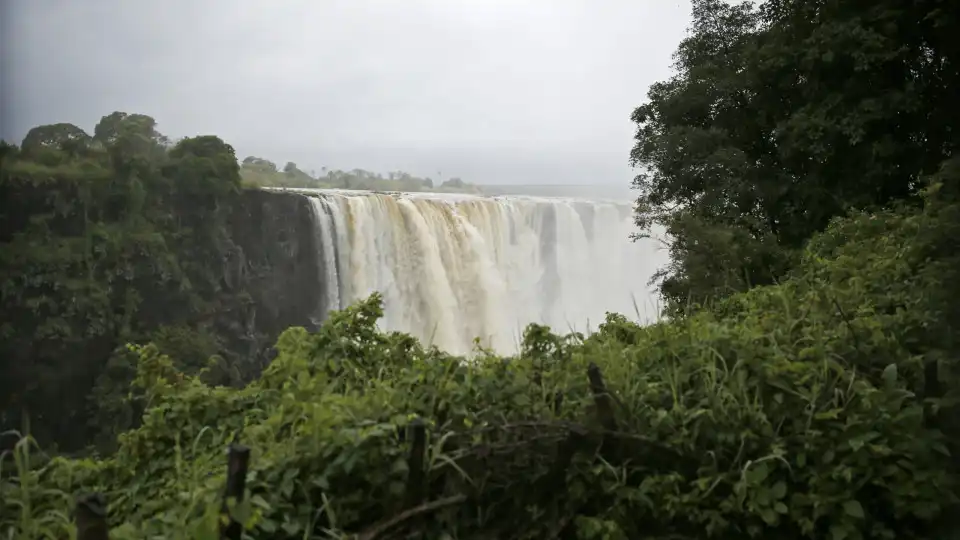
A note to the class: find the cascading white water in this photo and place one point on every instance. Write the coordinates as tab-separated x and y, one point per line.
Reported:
326	234
455	268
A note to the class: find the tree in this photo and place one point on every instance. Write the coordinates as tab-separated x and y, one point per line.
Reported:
62	137
132	140
780	118
118	124
217	158
455	183
204	170
260	164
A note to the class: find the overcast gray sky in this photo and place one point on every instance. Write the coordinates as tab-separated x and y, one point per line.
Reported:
494	91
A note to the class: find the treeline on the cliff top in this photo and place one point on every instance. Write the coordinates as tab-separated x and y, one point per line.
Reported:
257	171
804	159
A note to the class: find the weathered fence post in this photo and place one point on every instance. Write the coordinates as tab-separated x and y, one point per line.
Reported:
603	402
416	481
91	517
238	459
601	398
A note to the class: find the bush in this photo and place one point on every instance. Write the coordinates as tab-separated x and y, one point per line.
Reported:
800	410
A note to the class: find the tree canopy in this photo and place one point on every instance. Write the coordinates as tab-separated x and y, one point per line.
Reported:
782	116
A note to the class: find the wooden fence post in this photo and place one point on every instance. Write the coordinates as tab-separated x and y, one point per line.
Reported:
238	459
416	481
603	402
601	398
91	517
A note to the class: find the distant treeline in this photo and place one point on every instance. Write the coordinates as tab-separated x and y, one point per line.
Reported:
257	171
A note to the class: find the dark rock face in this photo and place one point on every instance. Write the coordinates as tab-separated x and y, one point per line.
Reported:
271	272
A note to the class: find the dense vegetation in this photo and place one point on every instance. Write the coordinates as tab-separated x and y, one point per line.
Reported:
257	171
784	116
106	239
803	160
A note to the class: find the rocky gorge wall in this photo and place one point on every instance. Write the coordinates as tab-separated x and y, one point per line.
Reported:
271	270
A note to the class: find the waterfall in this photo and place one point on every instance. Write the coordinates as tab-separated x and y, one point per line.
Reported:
452	268
327	259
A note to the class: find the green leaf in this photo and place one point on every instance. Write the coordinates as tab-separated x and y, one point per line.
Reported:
839	532
828	415
890	376
853	509
779	490
758	472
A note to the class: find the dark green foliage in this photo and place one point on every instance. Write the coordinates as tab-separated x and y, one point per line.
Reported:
801	410
105	240
782	117
52	143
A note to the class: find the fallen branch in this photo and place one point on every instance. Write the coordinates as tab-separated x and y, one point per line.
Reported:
425	508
